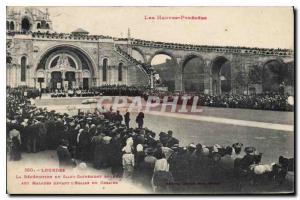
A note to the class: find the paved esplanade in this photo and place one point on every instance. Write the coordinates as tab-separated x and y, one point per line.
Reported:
271	132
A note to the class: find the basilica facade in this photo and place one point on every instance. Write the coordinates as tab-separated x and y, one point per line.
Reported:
41	58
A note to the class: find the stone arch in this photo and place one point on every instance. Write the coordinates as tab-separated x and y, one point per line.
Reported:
169	76
25	24
274	74
75	61
193	70
12	26
38	26
164	52
105	64
24	63
72	55
221	75
141	53
120	71
108	61
74	48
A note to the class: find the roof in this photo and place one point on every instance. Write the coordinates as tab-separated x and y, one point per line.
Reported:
80	30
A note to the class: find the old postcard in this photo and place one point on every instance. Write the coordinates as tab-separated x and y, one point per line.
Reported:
150	100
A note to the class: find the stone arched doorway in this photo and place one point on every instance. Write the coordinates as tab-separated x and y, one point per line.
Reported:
193	68
66	67
56	80
274	76
165	64
25	24
221	76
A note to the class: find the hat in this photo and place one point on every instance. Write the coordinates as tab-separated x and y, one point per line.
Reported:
139	148
82	166
192	145
250	150
24	124
106	139
80	130
237	145
149	150
129	141
127	149
40	117
72	124
205	151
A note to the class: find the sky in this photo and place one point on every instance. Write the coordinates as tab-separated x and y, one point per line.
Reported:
265	27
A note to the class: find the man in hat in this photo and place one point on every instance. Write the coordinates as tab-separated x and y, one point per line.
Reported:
171	141
64	156
140	120
127	118
83	144
116	155
118	118
248	159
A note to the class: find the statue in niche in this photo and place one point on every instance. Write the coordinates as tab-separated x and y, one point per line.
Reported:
63	62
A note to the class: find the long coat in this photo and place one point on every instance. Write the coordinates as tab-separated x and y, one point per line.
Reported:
64	157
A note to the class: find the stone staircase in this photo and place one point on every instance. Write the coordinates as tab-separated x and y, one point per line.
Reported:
147	69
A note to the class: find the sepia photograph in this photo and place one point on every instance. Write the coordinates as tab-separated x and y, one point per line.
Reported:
150	100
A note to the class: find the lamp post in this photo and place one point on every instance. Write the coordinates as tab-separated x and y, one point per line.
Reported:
151	80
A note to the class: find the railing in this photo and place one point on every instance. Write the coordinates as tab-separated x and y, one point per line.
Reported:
157	44
220	49
146	68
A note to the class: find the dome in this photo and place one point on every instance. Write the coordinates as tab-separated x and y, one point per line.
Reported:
80	31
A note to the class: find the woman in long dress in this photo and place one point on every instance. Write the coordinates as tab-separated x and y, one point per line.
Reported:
162	179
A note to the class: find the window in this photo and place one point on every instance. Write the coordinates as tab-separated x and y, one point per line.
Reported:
25	24
12	26
23	68
43	24
120	72
38	26
104	70
47	26
7	25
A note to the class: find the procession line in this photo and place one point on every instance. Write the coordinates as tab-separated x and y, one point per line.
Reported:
220	120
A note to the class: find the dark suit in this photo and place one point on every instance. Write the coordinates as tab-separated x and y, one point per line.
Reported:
64	157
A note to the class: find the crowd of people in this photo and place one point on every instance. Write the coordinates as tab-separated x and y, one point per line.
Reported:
274	101
155	161
157	44
104	90
271	101
225	49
